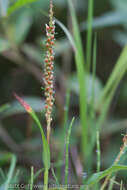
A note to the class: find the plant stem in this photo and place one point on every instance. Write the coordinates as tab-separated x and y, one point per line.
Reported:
32	178
46	179
48	132
89	33
98	152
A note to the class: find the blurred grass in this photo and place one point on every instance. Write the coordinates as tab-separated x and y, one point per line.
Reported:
21	37
89	34
79	59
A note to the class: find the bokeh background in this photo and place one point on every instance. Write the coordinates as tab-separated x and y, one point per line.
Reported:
22	50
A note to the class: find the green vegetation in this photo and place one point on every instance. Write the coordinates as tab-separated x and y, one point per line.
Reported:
80	61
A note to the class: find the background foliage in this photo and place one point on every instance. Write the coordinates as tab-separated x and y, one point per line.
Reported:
22	49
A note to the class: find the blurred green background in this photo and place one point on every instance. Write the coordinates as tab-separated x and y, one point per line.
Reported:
22	50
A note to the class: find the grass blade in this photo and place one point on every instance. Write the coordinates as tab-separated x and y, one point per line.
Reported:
95	178
109	90
54	175
117	74
2	174
38	173
32	178
89	34
94	77
98	152
67	151
11	171
111	183
68	34
79	59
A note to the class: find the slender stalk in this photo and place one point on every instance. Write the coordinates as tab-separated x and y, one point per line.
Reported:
32	178
54	175
89	33
10	172
111	183
81	73
48	79
46	179
48	70
98	152
67	151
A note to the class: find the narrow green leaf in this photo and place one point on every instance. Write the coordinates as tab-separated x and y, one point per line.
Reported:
2	174
54	175
38	173
68	34
79	59
98	152
46	151
98	176
11	171
32	178
117	74
67	151
89	34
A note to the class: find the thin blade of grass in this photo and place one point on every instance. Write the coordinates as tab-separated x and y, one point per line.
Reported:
54	175
38	173
2	174
95	178
93	77
92	102
66	110
79	59
121	185
101	120
67	151
46	151
68	34
117	73
106	102
65	121
11	171
32	178
98	152
111	183
89	34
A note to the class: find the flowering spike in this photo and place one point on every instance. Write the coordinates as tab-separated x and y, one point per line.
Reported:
23	103
48	70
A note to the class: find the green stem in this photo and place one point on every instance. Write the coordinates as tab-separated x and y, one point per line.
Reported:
32	178
98	152
46	179
89	33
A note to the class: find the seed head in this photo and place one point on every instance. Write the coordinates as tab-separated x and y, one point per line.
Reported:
49	66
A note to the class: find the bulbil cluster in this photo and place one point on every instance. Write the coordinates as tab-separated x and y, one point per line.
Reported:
48	70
